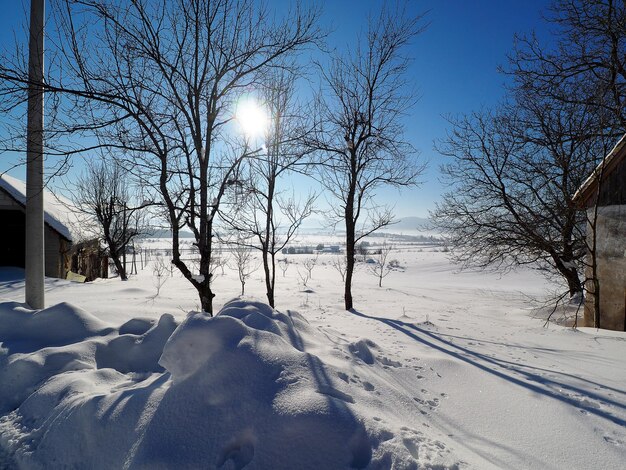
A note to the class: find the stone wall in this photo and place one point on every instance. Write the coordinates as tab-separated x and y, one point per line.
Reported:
611	259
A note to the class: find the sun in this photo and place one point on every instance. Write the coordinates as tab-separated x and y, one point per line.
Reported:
251	117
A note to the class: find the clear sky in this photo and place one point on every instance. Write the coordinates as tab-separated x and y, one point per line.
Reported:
454	69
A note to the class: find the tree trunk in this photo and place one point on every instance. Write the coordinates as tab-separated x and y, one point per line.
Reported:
273	278
563	265
349	262
269	246
206	296
204	287
268	281
573	282
119	267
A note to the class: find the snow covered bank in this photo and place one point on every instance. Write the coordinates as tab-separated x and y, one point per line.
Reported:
437	367
252	388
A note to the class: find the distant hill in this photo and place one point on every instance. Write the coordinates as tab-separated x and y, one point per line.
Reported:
420	224
315	225
166	233
411	223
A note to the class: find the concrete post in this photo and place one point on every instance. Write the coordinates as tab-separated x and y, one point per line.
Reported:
35	252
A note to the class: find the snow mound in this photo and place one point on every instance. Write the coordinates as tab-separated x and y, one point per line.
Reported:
251	387
28	330
38	345
264	400
136	352
136	326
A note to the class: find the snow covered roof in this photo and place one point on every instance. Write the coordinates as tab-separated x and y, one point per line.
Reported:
59	213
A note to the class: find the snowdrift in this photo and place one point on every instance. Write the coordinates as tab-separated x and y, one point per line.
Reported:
251	387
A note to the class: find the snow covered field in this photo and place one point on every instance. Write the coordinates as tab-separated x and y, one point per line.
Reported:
435	369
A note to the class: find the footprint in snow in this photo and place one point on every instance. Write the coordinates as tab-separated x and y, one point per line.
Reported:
334	393
438	374
614	441
421	449
368	387
589	404
432	405
388	362
412	446
239	452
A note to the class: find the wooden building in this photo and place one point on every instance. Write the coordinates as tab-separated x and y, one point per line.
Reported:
65	249
606	189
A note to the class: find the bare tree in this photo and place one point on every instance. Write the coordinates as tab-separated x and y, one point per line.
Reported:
514	174
104	195
309	264
587	53
160	269
359	130
220	258
339	263
284	265
158	80
306	274
265	218
362	249
243	263
381	268
584	65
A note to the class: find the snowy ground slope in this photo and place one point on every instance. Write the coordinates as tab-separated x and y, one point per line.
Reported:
436	369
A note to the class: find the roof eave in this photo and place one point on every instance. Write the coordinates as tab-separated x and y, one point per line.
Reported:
586	192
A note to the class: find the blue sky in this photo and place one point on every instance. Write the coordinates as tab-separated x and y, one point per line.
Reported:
454	69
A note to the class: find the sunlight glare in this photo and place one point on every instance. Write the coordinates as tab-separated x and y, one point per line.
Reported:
252	118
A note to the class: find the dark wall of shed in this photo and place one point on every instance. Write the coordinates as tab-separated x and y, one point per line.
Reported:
613	187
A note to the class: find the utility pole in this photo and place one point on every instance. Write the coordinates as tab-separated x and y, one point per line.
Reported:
35	254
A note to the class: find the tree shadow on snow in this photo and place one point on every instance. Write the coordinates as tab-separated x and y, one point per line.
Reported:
518	374
507	364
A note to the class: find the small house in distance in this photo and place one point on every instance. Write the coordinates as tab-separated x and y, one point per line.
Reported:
64	250
606	188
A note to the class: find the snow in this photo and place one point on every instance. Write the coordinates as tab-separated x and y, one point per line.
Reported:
436	369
